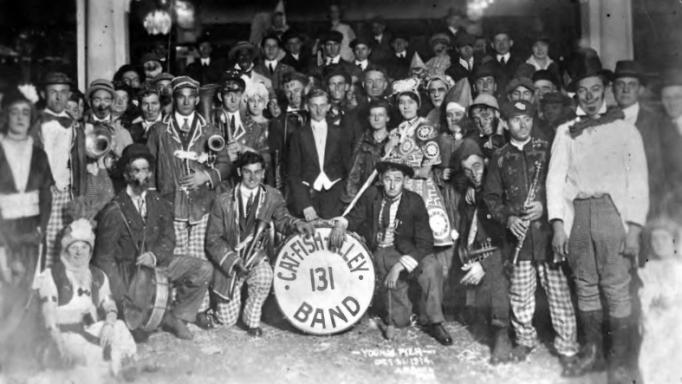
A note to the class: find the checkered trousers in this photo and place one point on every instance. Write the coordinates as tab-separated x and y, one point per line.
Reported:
55	224
258	282
190	240
522	300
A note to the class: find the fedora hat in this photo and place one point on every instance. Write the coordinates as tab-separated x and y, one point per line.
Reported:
629	68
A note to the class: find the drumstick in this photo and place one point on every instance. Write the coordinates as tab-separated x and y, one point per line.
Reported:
364	187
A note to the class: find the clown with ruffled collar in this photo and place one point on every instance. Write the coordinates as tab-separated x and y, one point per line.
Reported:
78	309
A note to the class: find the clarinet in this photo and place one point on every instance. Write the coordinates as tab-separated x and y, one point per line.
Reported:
529	199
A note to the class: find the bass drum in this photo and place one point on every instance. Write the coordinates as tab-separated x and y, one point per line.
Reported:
319	291
147	299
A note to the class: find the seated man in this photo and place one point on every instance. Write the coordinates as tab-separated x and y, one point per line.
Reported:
136	228
238	218
395	223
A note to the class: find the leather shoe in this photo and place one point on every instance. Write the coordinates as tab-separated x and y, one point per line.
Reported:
204	320
441	334
176	327
255	332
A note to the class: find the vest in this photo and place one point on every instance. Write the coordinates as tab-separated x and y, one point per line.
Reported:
65	288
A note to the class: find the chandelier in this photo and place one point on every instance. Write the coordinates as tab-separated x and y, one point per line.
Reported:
476	8
157	22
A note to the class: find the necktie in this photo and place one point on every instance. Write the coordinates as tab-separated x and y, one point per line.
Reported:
185	125
359	65
64	121
502	61
272	68
233	126
386	213
141	207
249	204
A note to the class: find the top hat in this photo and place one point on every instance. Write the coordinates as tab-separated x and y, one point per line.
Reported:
583	65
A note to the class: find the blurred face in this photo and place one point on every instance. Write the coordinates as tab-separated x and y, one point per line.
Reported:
465	52
486	84
244	58
138	174
270	49
520	127
75	108
19	115
337	88
334	13
408	107
440	49
318	107
591	95
278	20
78	254
543	87
627	90
474	167
454	21
293	90
502	43
671	97
483	119
56	97
131	79
377	28
152	69
185	101
378	118
100	102
256	105
399	45
252	175
481	46
205	49
361	52
393	182
552	112
453	117
293	45
521	93
120	102
231	101
151	107
375	84
164	86
331	48
437	90
540	50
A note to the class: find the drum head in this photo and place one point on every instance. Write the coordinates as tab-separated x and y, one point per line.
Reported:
319	291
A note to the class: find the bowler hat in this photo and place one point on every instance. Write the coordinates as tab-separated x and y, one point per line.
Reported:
291	34
518	108
232	54
483	70
462	39
100	84
468	148
335	36
56	78
336	70
550	76
360	40
180	82
629	68
133	152
519	82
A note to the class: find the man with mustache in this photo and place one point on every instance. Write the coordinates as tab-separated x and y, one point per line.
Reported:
136	229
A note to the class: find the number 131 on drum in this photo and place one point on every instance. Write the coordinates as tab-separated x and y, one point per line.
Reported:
320	291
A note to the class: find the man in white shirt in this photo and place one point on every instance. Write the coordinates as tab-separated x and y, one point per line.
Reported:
319	157
597	202
272	67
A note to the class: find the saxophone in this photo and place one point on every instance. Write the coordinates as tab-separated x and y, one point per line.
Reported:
529	199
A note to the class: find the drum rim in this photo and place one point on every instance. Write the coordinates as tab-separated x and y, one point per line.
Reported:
373	281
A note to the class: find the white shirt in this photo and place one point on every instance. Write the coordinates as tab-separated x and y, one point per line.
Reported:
453	30
320	129
238	126
271	64
246	194
57	142
519	144
468	64
506	57
363	64
181	119
332	60
538	67
104	120
401	55
631	113
295	56
607	159
378	37
146	124
206	61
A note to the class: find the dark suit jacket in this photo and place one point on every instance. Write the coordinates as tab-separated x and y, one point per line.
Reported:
649	125
398	67
277	76
206	74
122	235
488	228
671	145
381	50
458	72
303	167
507	71
319	71
413	235
300	65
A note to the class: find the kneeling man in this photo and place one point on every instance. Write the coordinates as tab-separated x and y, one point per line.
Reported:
238	218
395	223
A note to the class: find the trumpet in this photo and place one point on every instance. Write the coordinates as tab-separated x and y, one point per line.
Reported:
97	141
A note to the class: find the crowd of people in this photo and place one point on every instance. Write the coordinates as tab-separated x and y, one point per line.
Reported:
477	166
